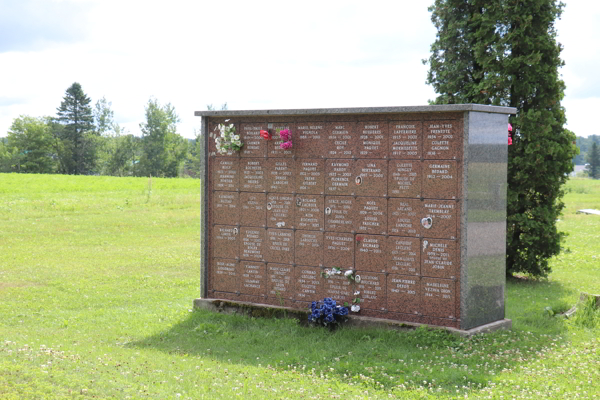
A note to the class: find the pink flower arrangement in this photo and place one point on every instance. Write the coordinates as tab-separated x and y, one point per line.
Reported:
509	134
286	136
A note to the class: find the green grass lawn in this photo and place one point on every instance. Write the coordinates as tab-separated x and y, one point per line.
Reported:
98	275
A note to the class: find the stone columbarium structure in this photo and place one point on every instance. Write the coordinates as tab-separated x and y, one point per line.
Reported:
412	199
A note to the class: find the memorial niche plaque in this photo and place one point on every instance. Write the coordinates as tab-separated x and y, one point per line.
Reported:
339	250
373	139
371	253
226	241
439	258
308	284
440	180
404	255
226	210
308	139
214	132
310	177
403	294
280	246
309	212
280	210
273	145
254	144
371	216
253	209
340	142
338	287
253	243
253	174
339	177
406	140
339	213
226	275
372	290
370	178
309	248
404	218
438	297
225	174
253	280
280	281
441	140
442	219
404	178
280	176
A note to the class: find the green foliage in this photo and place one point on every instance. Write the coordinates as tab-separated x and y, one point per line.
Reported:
104	117
593	160
163	149
584	144
505	53
78	147
33	140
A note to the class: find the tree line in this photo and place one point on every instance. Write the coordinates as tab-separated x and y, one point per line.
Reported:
85	140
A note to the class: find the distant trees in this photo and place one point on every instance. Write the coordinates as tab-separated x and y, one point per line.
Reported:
593	160
31	139
584	144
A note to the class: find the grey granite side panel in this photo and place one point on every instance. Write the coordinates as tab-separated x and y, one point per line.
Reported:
204	215
483	274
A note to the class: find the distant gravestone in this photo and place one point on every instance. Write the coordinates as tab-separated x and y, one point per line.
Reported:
411	198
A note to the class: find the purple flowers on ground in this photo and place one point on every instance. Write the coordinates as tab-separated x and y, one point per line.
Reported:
327	312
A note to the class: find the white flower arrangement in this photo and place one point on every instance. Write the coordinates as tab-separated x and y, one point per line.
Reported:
227	141
353	278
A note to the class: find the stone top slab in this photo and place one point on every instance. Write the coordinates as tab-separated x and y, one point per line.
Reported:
360	110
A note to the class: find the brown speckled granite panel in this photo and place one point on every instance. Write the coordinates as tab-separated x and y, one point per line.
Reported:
309	248
253	209
339	288
371	253
372	139
371	215
339	177
225	173
226	276
280	246
226	243
404	217
253	243
339	213
280	281
253	174
340	143
280	210
439	258
406	139
239	297
442	140
280	175
309	212
226	208
404	178
310	176
443	219
404	255
308	283
309	139
372	289
339	250
440	180
439	297
273	145
254	145
404	294
370	178
253	280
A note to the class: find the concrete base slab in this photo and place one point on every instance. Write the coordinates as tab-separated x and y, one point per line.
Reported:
269	311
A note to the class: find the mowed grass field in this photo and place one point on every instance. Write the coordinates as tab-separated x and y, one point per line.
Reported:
98	275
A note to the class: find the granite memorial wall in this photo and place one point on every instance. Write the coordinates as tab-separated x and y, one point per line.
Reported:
411	198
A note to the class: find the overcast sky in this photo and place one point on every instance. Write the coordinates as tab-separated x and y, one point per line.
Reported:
250	54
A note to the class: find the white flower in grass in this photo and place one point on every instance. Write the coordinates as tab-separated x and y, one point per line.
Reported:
348	273
355	308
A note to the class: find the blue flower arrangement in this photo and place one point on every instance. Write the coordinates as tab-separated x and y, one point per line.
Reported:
327	312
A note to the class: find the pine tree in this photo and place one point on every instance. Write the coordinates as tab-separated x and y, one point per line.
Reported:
505	53
78	136
593	162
